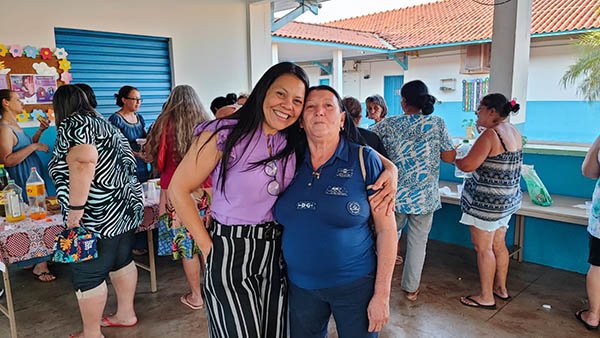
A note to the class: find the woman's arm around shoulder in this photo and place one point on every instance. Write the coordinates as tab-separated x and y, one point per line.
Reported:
194	169
386	184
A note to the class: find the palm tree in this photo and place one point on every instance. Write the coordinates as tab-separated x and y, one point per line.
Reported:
587	67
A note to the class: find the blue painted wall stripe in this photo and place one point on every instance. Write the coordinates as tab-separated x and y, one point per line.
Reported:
107	61
559	121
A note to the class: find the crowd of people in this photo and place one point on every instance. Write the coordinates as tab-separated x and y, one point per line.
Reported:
282	210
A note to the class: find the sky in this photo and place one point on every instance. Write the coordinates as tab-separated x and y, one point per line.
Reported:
342	9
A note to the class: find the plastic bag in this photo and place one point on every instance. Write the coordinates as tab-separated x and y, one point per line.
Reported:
537	191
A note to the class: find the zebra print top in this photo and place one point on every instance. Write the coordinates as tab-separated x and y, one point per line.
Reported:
493	192
114	204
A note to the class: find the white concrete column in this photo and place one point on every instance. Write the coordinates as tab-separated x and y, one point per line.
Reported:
337	72
275	53
259	39
510	52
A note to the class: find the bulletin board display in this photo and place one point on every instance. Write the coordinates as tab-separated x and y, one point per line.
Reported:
34	74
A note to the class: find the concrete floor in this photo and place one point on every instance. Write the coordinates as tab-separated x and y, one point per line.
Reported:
50	310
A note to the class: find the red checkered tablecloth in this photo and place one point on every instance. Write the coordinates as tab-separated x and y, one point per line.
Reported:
27	239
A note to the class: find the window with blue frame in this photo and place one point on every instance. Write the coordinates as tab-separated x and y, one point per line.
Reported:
108	61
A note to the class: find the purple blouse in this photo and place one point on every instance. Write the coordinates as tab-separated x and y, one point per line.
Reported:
245	199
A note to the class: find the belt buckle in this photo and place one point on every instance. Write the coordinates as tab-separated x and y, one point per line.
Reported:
269	232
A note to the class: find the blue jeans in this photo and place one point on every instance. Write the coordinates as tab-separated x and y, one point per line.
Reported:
310	309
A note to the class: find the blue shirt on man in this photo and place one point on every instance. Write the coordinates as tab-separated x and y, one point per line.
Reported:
327	240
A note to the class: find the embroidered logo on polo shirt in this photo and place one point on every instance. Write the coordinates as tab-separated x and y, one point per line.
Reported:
345	172
306	205
336	191
353	208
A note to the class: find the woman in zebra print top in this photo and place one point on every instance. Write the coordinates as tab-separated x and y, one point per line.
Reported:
94	172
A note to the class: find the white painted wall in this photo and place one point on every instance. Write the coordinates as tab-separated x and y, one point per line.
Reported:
261	50
209	38
548	62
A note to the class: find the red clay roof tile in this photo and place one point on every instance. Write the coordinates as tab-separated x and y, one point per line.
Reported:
442	22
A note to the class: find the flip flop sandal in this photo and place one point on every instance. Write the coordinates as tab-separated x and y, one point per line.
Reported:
184	300
506	299
38	276
105	322
476	304
412	296
580	318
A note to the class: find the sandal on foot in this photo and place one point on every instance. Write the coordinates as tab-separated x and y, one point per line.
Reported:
586	324
105	322
39	276
476	304
412	296
185	300
506	299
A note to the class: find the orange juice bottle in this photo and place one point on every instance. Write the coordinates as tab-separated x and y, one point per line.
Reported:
14	202
36	194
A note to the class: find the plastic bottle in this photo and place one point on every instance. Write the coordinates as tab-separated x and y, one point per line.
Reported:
3	184
36	194
461	152
14	202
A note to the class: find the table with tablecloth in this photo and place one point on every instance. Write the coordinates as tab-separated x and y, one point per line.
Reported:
30	239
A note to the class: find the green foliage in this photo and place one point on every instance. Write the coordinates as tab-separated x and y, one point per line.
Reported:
587	67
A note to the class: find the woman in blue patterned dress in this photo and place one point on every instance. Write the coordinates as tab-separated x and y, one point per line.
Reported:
492	195
415	142
18	152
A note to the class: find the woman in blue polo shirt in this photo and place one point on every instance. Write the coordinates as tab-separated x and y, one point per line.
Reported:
328	244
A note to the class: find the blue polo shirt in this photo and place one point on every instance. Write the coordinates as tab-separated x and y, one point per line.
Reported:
327	240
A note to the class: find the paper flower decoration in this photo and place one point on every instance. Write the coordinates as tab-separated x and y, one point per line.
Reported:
46	53
1	64
23	117
31	52
60	53
37	113
3	50
42	68
16	51
64	64
66	77
50	114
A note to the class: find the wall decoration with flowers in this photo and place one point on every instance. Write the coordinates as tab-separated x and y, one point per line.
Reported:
34	73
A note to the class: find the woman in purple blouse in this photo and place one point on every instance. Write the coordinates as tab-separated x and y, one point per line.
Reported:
250	157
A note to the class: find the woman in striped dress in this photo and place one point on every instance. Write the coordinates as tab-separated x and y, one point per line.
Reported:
492	195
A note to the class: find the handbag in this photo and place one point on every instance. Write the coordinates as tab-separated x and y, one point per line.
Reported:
75	245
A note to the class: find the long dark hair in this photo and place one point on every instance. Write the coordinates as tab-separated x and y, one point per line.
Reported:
69	100
4	95
417	95
89	93
501	104
251	116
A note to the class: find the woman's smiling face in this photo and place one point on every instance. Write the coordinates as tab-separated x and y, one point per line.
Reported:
283	103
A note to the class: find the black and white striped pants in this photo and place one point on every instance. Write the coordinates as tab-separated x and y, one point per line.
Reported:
245	286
